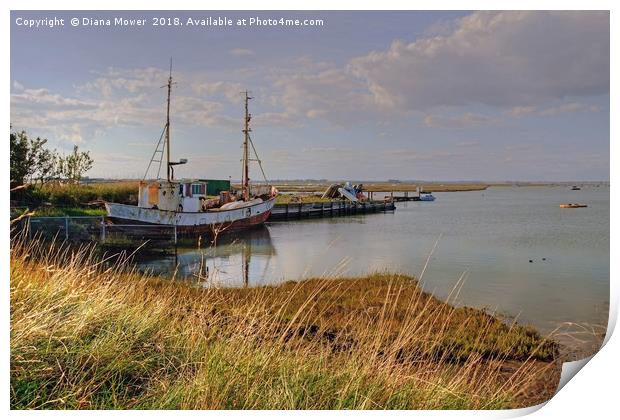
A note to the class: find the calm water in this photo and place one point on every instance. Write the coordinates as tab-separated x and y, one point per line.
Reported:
490	235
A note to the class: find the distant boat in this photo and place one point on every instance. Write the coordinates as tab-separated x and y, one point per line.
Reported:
184	203
575	188
427	196
572	206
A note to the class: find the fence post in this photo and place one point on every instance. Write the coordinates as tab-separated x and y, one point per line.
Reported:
102	229
66	228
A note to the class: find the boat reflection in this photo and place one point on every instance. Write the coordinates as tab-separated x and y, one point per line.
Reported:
235	260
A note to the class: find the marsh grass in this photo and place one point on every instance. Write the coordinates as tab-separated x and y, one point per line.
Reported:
75	195
88	334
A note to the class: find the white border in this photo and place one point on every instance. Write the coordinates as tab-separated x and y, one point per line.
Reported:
592	394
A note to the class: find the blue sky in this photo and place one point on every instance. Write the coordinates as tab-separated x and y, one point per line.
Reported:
367	96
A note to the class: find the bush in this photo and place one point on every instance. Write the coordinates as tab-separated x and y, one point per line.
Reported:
63	199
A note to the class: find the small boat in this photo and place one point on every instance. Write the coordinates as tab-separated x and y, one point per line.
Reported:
572	206
575	188
427	196
184	203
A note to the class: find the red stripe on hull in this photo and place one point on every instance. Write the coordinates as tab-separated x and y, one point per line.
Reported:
237	225
259	219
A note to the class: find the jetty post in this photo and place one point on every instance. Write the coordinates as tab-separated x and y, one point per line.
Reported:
102	228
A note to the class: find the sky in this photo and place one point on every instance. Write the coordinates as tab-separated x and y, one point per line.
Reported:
488	96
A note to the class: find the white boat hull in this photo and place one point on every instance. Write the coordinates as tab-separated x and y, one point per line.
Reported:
193	222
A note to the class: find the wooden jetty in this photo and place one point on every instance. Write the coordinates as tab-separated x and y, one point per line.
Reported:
328	209
415	196
405	197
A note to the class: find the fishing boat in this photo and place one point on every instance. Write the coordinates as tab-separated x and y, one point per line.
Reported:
184	203
572	206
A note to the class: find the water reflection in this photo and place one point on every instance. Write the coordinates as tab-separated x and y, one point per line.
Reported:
231	260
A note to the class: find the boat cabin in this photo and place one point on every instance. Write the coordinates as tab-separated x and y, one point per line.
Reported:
184	195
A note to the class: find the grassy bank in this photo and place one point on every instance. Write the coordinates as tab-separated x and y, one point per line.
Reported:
87	337
76	195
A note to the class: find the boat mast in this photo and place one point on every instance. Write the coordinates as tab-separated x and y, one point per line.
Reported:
168	167
245	179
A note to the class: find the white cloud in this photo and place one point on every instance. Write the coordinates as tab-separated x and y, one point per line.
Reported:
570	107
331	94
521	111
43	97
73	135
519	62
563	108
231	91
279	119
494	58
514	61
120	81
125	98
241	52
466	120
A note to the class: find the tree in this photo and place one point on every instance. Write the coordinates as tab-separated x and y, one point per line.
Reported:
75	165
31	161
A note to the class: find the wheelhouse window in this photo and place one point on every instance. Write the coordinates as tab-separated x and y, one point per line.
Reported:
199	189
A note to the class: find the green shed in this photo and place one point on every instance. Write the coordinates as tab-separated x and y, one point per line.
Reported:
215	186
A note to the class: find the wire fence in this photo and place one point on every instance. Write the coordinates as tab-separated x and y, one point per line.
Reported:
95	229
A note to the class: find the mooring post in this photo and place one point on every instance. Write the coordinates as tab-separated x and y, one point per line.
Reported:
102	229
287	210
66	228
29	227
175	236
